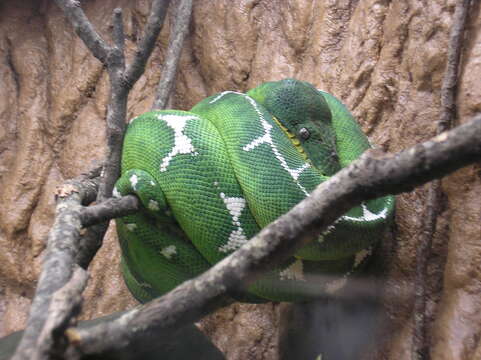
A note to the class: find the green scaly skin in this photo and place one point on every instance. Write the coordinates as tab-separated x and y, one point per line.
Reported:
211	178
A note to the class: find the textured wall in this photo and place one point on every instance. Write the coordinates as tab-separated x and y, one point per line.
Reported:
384	59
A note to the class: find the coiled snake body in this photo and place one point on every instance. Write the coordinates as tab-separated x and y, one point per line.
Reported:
211	178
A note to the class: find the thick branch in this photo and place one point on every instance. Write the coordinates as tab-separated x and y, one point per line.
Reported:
64	306
178	33
58	263
373	175
147	42
84	29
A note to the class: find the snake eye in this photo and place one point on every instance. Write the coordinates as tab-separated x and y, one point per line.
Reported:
304	134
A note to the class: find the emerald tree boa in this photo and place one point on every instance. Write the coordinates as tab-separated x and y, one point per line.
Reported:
210	178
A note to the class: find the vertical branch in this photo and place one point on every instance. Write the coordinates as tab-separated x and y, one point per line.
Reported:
420	345
117	109
181	26
450	80
118	31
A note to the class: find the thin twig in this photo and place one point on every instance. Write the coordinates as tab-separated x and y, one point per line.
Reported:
434	203
147	42
178	33
374	174
450	79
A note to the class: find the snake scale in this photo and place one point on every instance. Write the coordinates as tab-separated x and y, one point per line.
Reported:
209	179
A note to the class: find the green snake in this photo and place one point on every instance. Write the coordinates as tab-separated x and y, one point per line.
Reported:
209	179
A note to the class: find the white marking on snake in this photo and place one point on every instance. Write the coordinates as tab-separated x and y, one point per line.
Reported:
360	256
328	230
295	271
133	181
131	227
221	95
169	251
336	285
153	205
266	138
116	194
182	144
152	183
237	238
367	215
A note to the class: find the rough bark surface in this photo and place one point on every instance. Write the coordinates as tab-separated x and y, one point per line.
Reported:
384	59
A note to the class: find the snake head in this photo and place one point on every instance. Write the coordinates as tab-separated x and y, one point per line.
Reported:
303	112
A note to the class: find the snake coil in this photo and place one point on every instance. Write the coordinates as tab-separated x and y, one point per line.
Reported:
209	179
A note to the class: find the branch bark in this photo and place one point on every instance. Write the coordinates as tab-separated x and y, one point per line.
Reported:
147	42
434	202
59	259
84	29
180	30
109	209
65	304
374	174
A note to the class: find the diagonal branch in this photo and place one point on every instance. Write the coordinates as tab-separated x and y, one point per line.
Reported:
84	29
65	303
147	42
374	174
59	259
179	31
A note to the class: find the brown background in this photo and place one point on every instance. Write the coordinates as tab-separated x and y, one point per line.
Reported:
384	59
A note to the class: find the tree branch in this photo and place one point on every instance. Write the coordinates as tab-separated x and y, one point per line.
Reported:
59	259
147	42
64	306
109	209
374	174
420	344
450	79
118	31
178	33
84	29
